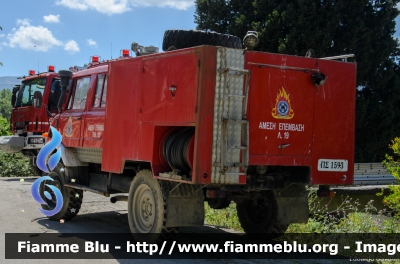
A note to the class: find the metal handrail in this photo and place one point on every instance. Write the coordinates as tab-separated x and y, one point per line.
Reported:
339	57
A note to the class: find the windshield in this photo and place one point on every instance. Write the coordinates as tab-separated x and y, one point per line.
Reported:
28	88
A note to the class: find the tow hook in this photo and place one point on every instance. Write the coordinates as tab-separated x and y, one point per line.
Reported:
324	191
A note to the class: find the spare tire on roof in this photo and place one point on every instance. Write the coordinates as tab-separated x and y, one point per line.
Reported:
180	39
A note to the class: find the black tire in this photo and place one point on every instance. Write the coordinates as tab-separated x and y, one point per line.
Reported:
258	215
147	207
180	39
72	198
220	203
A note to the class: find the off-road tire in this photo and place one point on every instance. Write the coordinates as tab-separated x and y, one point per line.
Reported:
220	203
72	198
258	215
147	208
180	39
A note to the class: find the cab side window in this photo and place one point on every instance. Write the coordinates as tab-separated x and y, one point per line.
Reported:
81	90
101	91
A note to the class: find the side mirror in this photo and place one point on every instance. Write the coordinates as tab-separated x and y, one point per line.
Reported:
65	77
37	99
14	94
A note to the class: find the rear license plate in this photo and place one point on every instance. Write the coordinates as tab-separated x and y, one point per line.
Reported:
332	165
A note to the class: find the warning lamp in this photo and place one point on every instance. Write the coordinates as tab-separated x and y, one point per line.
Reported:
125	53
50	68
250	41
95	58
31	72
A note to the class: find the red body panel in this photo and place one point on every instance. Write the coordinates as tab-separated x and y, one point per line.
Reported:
319	123
157	93
151	95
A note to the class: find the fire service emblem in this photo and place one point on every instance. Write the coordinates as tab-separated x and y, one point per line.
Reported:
282	109
68	129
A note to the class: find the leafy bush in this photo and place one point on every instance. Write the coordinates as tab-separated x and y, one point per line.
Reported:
392	164
12	164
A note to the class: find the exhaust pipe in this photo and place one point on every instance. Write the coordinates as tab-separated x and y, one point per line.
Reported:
119	198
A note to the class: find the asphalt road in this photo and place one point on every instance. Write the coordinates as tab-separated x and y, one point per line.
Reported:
19	214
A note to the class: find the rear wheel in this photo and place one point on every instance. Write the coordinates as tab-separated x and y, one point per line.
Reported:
258	215
180	39
147	207
72	198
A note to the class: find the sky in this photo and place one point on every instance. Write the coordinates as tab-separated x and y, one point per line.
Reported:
65	33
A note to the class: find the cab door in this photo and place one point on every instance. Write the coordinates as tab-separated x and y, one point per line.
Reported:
94	118
70	122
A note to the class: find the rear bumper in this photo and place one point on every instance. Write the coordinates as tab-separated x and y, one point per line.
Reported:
12	144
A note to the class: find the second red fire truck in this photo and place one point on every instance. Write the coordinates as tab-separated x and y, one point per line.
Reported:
34	102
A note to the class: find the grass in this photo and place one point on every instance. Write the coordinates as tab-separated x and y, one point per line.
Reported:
225	218
345	219
369	220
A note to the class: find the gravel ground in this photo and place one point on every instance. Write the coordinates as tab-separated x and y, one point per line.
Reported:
19	214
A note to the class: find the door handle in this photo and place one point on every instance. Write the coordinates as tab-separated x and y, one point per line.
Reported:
284	146
78	117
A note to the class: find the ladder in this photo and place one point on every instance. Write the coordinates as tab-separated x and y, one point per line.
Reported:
231	140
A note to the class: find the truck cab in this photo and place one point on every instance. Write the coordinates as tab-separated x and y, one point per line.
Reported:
34	103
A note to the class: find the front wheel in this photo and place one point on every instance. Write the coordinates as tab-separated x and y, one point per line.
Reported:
72	198
258	215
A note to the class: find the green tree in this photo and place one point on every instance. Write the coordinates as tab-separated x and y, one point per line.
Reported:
330	27
392	164
4	127
5	104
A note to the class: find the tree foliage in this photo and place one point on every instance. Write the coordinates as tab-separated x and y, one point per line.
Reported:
5	104
12	164
4	127
392	164
330	27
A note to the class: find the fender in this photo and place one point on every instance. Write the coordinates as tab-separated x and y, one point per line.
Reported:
69	158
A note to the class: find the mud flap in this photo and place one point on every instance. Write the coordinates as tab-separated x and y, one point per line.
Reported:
11	144
292	210
185	211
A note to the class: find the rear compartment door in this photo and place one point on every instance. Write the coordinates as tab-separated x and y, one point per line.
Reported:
281	105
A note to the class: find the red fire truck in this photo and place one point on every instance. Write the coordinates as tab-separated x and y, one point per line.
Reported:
34	102
207	123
